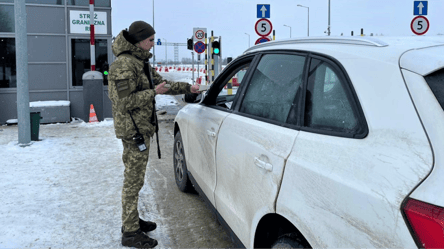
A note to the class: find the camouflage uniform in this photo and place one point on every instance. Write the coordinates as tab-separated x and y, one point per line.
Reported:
130	91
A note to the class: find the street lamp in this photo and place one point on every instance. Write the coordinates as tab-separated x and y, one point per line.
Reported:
248	39
154	48
290	29
328	29
308	19
166	57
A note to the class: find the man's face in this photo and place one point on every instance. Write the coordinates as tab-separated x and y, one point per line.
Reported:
147	44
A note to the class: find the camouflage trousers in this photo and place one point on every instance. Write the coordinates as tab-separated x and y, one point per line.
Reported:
134	175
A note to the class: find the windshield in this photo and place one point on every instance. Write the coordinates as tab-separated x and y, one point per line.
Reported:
436	84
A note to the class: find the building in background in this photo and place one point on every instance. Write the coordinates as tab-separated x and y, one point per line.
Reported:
58	52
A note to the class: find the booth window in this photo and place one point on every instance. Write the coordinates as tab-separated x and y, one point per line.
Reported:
8	71
81	62
97	3
7	20
55	2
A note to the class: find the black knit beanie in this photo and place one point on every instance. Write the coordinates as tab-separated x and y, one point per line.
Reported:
139	31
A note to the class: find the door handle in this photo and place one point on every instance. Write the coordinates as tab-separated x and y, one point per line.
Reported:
263	165
211	133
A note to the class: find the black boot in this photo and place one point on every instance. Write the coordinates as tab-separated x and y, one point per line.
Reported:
145	226
138	239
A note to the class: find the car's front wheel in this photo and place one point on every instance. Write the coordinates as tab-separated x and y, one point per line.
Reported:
180	166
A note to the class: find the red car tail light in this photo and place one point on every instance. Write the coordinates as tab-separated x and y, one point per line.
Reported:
427	223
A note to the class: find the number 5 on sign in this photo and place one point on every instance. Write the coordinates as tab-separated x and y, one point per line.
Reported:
420	25
263	27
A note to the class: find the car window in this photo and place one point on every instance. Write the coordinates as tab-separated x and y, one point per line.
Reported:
231	85
273	87
436	84
327	104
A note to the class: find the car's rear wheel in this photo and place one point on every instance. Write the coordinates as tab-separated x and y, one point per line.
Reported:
180	166
287	241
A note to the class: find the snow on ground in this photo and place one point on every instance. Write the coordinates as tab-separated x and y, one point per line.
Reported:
49	103
49	189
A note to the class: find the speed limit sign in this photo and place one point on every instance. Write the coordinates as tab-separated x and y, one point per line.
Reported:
420	25
263	27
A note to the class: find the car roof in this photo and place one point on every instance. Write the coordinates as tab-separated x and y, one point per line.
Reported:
420	54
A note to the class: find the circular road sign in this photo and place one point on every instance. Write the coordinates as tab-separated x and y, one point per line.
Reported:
200	35
262	39
199	47
263	27
420	25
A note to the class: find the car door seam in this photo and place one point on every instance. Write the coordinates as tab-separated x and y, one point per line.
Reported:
283	172
215	158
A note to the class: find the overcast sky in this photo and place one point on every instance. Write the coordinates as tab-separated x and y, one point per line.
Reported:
174	20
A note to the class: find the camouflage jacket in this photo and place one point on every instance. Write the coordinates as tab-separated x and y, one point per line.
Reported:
130	91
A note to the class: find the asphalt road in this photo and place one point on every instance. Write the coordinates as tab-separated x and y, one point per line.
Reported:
185	219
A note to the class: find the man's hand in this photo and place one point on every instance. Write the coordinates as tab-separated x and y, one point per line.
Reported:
195	88
161	89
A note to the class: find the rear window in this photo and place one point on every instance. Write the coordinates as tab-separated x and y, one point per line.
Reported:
436	83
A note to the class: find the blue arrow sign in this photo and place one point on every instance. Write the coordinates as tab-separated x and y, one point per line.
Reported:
420	8
263	11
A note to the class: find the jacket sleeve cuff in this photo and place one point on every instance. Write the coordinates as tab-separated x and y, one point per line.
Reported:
188	88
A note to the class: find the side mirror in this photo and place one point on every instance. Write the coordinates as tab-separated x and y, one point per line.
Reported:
195	97
192	97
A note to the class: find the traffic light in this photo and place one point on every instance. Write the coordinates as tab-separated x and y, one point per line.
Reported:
216	47
190	44
105	69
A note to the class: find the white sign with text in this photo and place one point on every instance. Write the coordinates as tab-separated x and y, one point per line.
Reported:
79	22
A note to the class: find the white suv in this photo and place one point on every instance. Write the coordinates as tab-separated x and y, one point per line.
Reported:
327	142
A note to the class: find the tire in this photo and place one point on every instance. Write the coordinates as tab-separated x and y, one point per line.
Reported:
287	241
180	165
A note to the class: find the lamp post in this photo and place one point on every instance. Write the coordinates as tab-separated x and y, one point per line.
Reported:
154	48
328	29
166	57
248	39
290	29
308	18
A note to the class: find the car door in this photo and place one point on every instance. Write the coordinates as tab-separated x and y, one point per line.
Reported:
202	132
255	141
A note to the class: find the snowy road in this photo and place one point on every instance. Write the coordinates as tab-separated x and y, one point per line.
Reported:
65	191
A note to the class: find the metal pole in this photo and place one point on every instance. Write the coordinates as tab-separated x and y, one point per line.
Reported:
308	20
166	56
328	30
290	29
248	39
216	66
21	43
220	55
192	61
91	32
154	47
